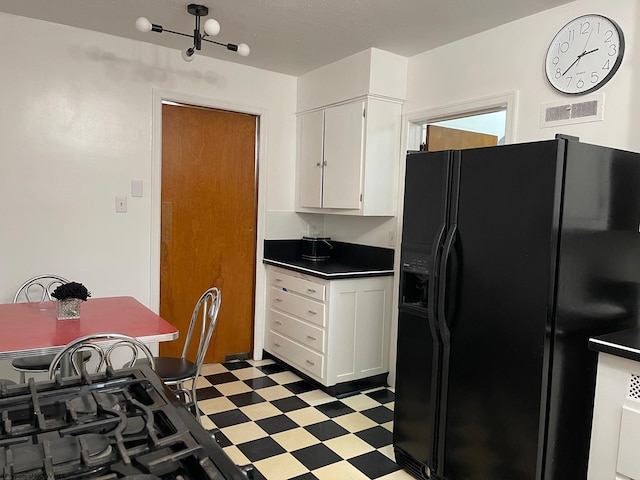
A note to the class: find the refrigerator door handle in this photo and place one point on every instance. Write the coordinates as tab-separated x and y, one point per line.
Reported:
436	252
442	283
444	333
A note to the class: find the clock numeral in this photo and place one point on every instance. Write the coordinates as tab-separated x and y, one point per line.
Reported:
572	35
594	77
584	28
580	84
569	81
558	73
606	65
555	60
563	47
608	35
613	50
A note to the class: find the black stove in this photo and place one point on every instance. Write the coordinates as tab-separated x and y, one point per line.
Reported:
123	424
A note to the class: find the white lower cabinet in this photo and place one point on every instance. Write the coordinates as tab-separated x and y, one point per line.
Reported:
615	432
334	331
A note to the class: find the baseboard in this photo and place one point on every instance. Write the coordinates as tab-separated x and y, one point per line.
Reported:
339	390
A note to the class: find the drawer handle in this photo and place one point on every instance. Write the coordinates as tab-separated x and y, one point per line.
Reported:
277	280
277	322
311	338
276	344
311	312
309	362
278	299
311	290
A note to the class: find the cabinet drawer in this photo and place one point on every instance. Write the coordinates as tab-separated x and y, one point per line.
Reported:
298	306
307	335
300	356
298	285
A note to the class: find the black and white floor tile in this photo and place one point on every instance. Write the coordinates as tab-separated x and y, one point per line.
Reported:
287	428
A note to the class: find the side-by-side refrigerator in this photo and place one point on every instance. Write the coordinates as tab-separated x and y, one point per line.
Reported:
511	258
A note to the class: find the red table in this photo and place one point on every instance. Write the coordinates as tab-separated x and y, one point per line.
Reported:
33	329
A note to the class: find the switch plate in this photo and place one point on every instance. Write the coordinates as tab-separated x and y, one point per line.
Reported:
121	204
136	188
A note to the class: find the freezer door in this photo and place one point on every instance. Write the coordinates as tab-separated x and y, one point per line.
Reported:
499	275
419	346
416	394
425	199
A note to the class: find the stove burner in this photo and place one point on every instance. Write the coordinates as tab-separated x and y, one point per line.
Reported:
117	425
87	404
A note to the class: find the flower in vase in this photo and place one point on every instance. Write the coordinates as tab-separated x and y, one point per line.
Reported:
71	290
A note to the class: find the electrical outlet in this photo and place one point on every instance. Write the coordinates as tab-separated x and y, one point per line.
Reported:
313	230
392	238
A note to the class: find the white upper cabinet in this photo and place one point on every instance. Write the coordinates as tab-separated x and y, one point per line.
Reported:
343	151
348	158
310	158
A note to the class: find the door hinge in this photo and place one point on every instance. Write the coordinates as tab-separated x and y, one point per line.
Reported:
360	197
364	112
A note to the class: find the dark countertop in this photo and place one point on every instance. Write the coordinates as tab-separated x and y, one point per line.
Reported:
348	260
624	344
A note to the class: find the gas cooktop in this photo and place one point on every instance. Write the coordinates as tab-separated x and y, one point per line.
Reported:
123	424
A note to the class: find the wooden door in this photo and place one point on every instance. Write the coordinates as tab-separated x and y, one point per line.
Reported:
208	224
443	138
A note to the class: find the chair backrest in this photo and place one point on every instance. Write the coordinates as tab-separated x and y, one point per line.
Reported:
204	319
102	347
38	289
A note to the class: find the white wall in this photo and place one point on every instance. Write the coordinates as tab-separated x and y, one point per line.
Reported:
76	126
511	58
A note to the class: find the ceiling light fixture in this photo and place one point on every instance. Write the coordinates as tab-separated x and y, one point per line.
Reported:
211	28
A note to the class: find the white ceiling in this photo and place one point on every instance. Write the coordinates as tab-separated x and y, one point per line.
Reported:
292	36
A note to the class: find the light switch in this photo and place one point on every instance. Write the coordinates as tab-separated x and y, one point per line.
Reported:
121	204
136	188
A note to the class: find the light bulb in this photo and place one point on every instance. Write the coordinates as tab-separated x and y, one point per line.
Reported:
212	27
143	25
188	54
243	50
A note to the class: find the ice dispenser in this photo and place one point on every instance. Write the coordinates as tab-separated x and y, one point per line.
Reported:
414	286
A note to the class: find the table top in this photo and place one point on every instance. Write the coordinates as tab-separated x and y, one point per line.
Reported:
33	329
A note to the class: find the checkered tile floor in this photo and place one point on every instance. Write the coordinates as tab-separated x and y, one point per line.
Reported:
266	415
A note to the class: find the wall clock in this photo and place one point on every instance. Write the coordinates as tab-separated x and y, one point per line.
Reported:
584	55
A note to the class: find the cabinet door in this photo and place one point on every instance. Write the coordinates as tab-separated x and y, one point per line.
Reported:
343	155
310	159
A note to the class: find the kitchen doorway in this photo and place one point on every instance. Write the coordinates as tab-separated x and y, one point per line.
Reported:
484	124
208	223
494	115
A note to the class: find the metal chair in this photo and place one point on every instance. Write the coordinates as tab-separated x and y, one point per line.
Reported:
103	346
36	289
177	371
42	285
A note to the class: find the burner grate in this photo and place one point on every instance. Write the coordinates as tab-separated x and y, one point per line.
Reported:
105	427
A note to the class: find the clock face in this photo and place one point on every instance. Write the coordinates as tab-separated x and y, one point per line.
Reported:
584	54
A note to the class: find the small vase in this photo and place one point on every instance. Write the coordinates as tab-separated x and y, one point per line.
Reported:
69	308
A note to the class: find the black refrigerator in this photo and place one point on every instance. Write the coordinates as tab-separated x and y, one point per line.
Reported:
511	258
